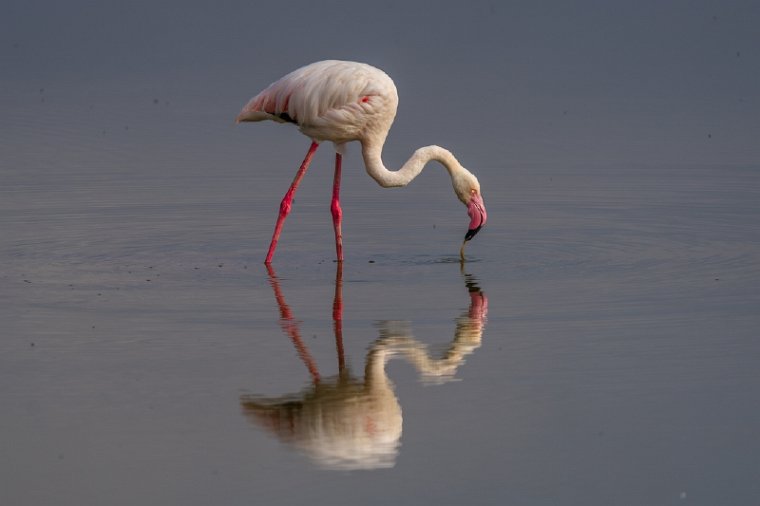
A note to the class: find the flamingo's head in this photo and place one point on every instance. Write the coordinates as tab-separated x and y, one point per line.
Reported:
467	188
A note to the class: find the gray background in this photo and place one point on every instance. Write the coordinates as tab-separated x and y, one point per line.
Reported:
617	145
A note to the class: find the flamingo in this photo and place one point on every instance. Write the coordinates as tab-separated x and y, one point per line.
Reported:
343	101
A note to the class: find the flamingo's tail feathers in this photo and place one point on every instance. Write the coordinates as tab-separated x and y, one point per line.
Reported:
265	107
254	116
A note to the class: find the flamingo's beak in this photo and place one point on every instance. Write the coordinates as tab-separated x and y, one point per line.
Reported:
476	210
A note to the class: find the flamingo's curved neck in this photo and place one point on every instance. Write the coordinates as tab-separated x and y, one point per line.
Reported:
373	162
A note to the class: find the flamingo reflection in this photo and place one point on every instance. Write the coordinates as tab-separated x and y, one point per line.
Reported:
345	422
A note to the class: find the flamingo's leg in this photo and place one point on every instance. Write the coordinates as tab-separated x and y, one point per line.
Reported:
337	212
287	201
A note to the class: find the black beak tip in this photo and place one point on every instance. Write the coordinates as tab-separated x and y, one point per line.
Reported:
471	233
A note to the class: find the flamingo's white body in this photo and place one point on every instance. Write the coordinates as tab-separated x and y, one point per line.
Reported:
340	101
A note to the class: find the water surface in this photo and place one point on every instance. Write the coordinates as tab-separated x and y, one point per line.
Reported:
599	346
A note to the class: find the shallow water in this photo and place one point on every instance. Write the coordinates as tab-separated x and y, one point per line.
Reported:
598	346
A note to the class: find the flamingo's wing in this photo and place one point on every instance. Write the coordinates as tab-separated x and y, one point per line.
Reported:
328	100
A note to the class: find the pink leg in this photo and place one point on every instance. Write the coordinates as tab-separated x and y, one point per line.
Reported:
337	212
287	201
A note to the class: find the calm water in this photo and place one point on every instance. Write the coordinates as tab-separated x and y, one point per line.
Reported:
599	347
